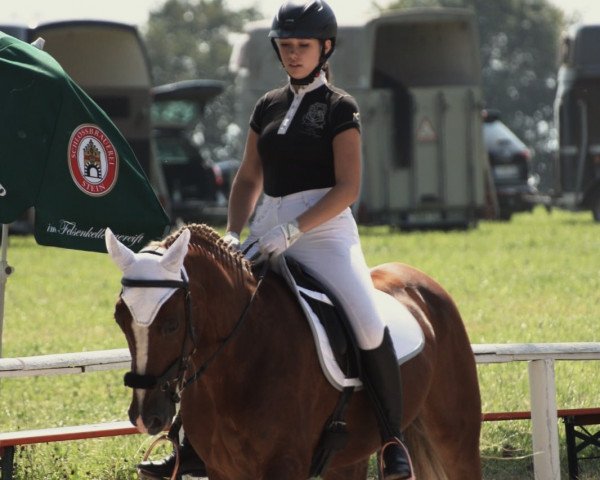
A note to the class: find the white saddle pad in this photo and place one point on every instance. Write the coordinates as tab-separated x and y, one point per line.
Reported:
405	331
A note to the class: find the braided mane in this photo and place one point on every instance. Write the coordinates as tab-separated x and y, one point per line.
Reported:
208	239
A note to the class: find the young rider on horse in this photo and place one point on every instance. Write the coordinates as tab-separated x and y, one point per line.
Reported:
303	151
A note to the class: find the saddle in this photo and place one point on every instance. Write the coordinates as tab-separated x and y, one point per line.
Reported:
333	335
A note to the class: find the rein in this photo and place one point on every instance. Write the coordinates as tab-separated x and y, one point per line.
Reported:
200	371
173	375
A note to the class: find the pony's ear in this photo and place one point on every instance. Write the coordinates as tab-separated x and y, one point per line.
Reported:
173	258
119	253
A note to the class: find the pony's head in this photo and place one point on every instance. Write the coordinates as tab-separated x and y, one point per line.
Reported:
153	313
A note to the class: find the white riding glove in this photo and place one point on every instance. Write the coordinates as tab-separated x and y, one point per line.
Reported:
232	239
279	238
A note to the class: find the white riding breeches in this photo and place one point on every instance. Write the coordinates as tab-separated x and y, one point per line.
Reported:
332	253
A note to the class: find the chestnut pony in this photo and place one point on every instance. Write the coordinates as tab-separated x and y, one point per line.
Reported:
255	400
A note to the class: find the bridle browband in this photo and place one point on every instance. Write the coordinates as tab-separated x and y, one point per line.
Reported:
171	380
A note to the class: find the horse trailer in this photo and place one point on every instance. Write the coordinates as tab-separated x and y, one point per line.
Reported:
416	76
575	182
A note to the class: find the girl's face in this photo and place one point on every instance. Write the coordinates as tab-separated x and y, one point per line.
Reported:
300	56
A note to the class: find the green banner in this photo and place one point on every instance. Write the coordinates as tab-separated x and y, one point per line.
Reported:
62	155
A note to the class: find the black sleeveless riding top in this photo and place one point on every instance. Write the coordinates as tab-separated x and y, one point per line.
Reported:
296	134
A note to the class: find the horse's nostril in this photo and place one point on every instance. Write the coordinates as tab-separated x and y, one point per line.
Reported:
154	425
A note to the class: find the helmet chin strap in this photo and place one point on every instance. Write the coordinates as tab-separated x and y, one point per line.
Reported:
308	79
315	73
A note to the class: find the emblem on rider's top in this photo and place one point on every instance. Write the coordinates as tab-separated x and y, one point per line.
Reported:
93	160
314	120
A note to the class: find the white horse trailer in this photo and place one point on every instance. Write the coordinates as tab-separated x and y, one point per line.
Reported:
417	78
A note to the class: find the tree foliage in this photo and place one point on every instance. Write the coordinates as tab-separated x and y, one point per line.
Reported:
190	39
519	45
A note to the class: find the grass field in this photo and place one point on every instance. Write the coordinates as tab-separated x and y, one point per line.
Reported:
534	279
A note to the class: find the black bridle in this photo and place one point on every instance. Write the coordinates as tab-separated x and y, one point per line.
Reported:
173	375
172	379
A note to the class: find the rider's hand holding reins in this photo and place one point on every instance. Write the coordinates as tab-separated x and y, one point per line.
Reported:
232	239
279	238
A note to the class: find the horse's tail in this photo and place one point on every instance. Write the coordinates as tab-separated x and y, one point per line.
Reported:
426	462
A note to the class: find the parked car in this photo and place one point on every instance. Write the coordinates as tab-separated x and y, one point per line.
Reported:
198	187
510	161
227	170
194	184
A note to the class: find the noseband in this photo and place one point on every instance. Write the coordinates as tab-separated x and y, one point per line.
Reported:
171	381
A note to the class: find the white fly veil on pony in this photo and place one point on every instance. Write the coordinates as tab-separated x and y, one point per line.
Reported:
157	264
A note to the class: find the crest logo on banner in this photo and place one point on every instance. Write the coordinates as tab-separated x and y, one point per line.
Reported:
93	160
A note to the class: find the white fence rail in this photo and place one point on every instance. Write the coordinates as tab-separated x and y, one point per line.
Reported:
540	357
542	391
65	363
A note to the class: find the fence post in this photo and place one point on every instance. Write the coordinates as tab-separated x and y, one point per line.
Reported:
546	461
5	271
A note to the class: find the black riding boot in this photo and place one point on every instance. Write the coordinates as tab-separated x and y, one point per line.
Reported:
189	464
382	382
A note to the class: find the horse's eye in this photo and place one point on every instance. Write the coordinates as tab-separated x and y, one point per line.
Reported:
170	326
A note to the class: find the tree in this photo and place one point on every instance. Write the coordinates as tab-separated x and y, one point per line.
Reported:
519	45
189	39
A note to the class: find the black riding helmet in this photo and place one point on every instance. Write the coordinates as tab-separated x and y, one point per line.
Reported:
305	19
